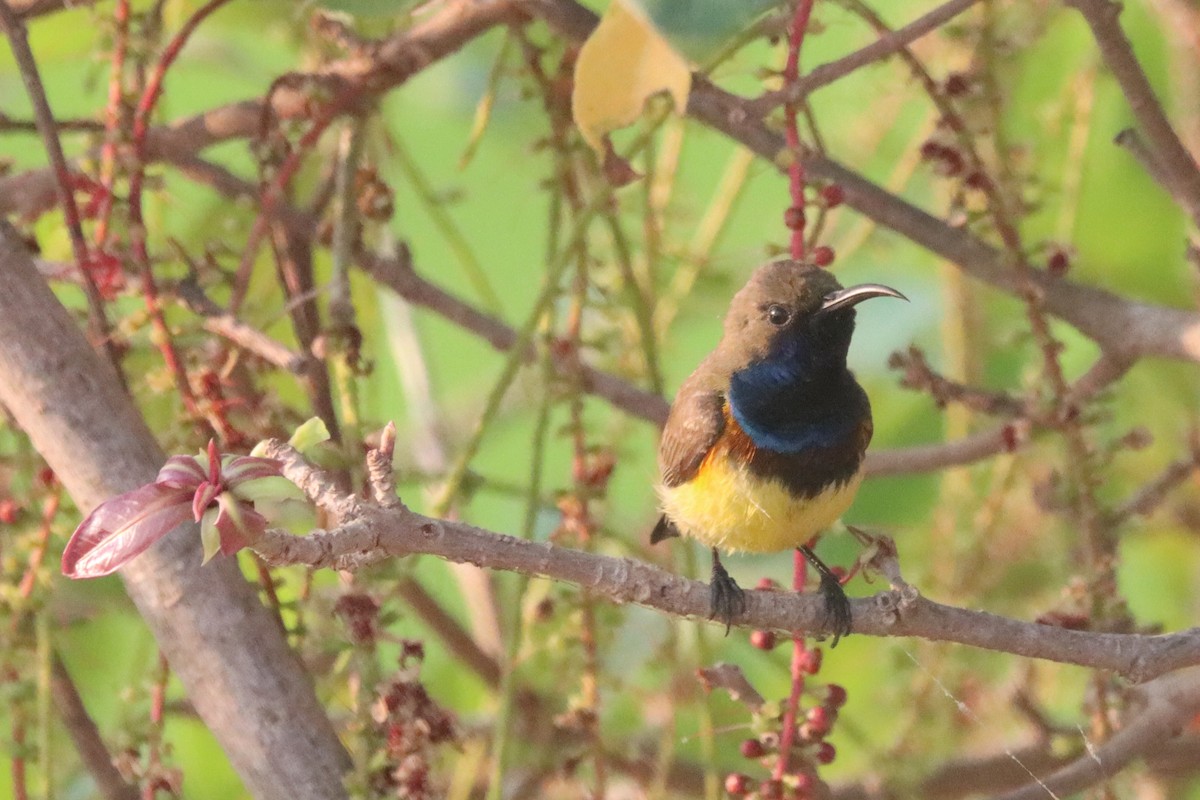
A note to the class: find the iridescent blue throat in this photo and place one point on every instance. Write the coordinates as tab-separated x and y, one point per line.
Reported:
791	402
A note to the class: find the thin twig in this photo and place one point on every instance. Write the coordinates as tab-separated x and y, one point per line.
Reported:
1132	142
137	224
84	734
1152	495
48	128
112	122
399	275
886	45
1169	704
1178	166
449	631
920	376
795	220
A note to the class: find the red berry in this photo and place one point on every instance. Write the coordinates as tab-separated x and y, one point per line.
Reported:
794	218
9	511
822	256
952	162
833	195
835	696
810	661
771	790
978	180
1058	263
956	84
1010	438
826	753
737	784
819	721
763	640
753	748
931	150
802	789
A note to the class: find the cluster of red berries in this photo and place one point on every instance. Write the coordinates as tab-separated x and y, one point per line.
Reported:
107	271
794	218
949	161
359	612
413	725
809	749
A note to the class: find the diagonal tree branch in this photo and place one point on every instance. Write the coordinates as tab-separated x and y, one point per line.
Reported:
1121	327
1170	703
368	533
85	736
47	127
1175	165
258	701
886	45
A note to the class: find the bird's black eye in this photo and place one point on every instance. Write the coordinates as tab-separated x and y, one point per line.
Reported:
778	315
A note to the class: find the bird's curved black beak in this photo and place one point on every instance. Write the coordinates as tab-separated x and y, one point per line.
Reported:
853	295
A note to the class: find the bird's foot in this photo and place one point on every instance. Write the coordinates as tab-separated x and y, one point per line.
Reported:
838	617
726	598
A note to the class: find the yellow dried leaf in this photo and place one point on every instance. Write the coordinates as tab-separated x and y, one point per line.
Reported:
624	62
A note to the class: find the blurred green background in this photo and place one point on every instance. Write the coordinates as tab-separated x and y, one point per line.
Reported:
971	537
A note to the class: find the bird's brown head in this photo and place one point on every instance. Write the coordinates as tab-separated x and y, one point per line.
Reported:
788	306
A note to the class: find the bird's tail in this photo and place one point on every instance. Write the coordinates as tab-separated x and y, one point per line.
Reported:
665	529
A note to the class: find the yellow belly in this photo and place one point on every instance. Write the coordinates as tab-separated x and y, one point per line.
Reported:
727	506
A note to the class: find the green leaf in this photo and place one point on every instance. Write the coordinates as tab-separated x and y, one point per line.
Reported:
210	537
309	435
272	489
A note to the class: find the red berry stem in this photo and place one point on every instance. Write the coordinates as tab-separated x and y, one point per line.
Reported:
800	657
791	74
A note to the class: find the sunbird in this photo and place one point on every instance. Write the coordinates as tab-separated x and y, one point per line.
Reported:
763	448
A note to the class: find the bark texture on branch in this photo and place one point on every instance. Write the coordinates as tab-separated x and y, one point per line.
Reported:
369	533
228	650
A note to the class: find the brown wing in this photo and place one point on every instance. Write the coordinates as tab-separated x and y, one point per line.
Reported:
693	427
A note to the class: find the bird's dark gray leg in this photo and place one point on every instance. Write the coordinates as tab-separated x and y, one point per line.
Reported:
726	598
837	605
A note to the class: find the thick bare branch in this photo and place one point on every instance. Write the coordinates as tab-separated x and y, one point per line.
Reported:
258	701
368	534
1126	328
